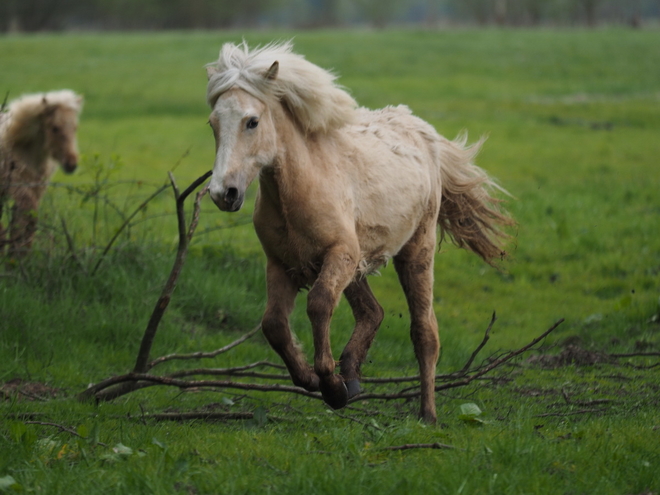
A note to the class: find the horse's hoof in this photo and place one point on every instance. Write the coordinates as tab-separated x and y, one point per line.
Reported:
353	387
334	391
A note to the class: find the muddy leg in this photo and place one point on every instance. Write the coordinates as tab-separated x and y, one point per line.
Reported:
368	317
23	226
337	271
275	325
414	265
23	223
3	232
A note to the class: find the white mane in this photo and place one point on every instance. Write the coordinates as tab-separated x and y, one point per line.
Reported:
20	121
310	93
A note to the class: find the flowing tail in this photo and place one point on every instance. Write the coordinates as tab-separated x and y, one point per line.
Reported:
468	212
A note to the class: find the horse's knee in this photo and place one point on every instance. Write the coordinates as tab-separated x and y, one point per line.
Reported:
274	327
377	314
320	305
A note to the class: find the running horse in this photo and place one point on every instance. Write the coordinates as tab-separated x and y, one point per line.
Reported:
342	190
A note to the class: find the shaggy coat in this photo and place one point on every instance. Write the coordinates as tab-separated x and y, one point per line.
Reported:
36	132
342	190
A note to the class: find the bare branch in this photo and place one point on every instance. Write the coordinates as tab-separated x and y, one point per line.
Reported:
480	346
635	354
61	428
409	446
124	225
201	355
187	384
408	393
185	416
142	362
572	413
70	244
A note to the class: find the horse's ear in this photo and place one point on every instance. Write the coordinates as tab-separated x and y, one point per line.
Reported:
210	70
271	73
47	109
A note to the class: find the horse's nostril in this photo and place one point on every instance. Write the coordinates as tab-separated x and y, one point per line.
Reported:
231	195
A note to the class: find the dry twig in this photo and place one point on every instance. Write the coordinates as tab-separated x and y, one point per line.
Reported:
61	428
410	446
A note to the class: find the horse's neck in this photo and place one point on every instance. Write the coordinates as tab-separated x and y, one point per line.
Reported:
30	152
282	182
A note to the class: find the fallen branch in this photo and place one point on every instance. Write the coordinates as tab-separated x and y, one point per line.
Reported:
635	354
61	428
463	381
200	355
142	361
571	413
410	446
186	416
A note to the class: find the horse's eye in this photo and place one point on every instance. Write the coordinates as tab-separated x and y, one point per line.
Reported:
55	129
252	123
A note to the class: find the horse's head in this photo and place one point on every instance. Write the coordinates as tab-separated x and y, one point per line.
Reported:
246	141
60	126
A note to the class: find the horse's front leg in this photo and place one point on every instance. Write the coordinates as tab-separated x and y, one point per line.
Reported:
23	222
338	269
275	326
368	316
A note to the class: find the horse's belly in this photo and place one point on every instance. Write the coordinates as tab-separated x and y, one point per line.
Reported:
380	241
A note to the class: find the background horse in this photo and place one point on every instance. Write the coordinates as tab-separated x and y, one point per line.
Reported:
36	132
341	191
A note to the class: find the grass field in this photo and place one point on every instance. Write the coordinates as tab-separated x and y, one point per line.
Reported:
573	119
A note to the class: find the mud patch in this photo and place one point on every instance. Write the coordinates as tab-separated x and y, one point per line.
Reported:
18	389
571	355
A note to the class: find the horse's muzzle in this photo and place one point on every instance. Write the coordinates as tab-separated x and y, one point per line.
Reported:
231	199
69	167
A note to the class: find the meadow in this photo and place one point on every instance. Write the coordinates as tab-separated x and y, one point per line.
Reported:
573	118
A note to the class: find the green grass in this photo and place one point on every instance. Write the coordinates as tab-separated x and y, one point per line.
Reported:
572	119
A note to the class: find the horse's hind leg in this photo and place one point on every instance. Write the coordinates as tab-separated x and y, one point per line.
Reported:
368	317
275	326
414	265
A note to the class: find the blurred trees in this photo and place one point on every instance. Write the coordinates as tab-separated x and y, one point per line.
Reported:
39	15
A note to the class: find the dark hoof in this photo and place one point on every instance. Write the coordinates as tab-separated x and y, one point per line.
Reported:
334	391
353	387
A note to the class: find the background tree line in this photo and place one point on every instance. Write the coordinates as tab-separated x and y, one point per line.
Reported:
42	15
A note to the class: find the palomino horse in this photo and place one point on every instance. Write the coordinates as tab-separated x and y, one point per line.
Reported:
37	131
341	191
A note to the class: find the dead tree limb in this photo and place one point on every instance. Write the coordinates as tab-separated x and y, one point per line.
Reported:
467	379
572	413
66	429
200	355
410	446
142	361
124	225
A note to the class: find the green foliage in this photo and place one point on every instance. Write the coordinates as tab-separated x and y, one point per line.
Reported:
573	123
